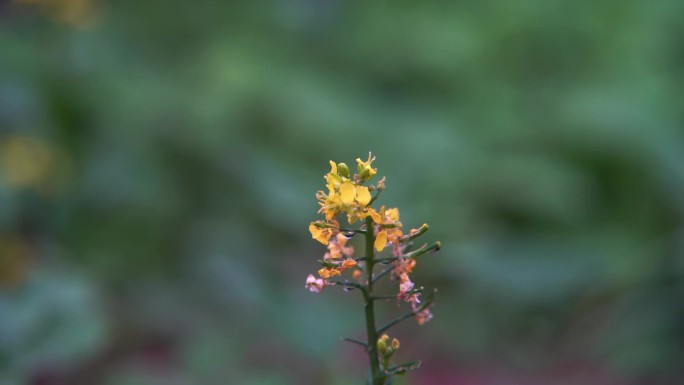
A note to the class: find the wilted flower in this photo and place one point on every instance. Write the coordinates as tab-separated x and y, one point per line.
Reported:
423	316
315	285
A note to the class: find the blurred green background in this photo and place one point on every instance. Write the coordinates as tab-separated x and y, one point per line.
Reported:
159	159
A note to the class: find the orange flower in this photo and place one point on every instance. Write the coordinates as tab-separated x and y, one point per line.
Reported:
337	247
404	265
348	263
329	272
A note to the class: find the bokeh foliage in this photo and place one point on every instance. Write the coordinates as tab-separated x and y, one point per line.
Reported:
158	163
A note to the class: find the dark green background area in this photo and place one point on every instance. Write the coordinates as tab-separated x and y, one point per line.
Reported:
166	241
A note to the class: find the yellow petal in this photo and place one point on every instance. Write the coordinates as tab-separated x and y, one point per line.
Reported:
321	235
333	180
347	193
363	196
380	241
374	214
333	167
393	214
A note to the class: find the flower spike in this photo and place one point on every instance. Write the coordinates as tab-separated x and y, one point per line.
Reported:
381	228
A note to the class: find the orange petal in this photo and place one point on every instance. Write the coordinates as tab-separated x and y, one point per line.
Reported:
348	263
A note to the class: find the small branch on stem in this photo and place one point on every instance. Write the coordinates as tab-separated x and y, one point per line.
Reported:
355	341
349	284
422	307
383	297
383	273
424	249
422	230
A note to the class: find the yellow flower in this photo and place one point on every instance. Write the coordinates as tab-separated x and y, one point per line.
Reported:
389	227
331	206
321	234
345	195
392	214
351	194
366	172
359	208
333	178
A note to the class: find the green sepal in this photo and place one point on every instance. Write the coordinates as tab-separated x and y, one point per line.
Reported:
327	264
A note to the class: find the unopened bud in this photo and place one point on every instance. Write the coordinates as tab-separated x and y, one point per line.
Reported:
343	170
381	184
382	344
365	173
395	344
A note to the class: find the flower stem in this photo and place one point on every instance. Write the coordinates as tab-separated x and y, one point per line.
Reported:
377	377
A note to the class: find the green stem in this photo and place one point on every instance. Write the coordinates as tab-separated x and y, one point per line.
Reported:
374	198
377	377
425	249
421	231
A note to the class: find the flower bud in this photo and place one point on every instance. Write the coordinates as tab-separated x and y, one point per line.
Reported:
364	173
382	344
395	344
381	184
343	170
356	274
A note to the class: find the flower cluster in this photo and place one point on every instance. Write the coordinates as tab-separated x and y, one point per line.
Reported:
349	195
352	196
346	194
